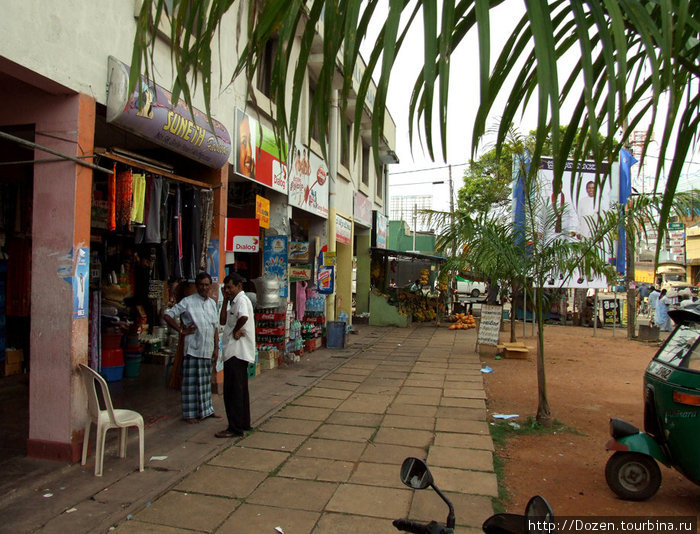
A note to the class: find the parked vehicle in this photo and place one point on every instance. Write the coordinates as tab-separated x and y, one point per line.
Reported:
472	288
671	276
416	475
671	416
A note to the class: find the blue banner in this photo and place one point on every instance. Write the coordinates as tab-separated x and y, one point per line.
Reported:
276	261
626	162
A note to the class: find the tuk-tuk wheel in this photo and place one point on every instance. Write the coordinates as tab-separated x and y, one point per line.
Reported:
633	476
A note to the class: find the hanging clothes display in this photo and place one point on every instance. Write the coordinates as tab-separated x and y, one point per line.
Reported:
154	210
112	200
124	198
192	238
207	200
139	198
176	235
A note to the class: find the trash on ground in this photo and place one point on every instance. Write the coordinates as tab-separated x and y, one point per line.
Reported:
505	416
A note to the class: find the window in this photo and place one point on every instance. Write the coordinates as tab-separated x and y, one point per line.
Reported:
681	349
345	136
313	120
265	66
365	164
380	184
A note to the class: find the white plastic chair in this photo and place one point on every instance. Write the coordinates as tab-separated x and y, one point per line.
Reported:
106	419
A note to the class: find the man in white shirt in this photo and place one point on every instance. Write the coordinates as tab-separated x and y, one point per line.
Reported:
238	351
198	313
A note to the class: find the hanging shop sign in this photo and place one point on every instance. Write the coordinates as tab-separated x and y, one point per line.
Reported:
148	112
262	211
213	260
258	155
80	281
362	210
343	230
299	252
379	230
242	235
325	281
275	261
328	258
299	273
308	182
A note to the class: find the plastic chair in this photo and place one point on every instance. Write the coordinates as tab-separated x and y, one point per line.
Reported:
106	419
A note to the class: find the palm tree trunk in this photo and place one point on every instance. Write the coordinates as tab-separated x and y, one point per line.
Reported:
544	416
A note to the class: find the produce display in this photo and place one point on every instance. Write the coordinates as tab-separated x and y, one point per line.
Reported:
462	321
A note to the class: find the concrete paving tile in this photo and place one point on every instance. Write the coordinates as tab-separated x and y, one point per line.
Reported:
330	392
86	514
332	449
344	432
252	459
408	421
402	436
372	474
464	441
272	441
383	382
338	384
139	527
366	403
283	492
347	370
390	375
414	410
188	510
378	389
456	412
474	459
289	426
317	402
463	403
385	453
355	419
305	412
462	481
444	424
331	523
470	510
359	363
465	393
222	481
417	399
177	456
127	489
340	376
372	501
422	391
317	469
426	377
255	519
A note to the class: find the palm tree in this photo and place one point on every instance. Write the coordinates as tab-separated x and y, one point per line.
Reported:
631	56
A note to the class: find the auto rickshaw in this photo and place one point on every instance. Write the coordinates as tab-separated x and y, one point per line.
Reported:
671	416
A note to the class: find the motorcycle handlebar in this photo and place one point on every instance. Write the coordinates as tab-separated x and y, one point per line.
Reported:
418	528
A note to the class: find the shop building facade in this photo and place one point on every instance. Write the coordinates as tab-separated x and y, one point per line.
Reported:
65	147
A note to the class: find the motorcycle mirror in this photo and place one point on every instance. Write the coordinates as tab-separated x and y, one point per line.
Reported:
538	507
415	473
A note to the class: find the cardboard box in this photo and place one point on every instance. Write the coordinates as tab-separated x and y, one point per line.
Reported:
13	356
12	368
515	351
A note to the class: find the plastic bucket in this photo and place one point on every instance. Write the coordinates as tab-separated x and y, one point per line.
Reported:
112	374
112	357
131	367
335	334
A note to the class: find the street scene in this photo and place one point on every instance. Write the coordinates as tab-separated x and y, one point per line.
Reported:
355	266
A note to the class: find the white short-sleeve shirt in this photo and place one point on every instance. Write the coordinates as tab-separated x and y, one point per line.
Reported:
205	316
242	348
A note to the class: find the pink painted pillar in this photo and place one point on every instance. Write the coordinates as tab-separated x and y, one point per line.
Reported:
61	226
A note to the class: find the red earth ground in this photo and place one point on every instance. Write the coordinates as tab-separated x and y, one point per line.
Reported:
589	379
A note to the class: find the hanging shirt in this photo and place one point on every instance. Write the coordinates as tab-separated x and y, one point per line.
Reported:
242	348
203	313
139	200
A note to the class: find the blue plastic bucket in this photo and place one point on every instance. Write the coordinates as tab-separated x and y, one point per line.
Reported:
112	373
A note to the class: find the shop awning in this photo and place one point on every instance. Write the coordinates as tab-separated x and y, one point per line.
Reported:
403	254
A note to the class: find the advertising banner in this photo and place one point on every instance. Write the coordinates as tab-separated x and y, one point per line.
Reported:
262	211
326	279
343	230
275	261
380	230
257	154
149	112
299	252
308	182
81	280
242	235
362	210
300	273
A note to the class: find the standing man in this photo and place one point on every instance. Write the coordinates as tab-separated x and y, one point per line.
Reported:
239	351
653	299
198	313
661	317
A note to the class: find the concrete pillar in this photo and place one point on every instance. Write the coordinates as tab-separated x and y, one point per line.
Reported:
362	243
60	229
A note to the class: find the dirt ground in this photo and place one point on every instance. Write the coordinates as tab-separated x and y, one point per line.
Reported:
589	380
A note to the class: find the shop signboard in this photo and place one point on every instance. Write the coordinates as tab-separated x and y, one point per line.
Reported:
308	182
611	311
343	230
275	261
325	282
300	273
299	252
380	230
676	226
676	242
258	155
262	211
362	210
242	235
489	325
148	112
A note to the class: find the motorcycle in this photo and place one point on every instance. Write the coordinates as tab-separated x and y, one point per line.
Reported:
416	475
671	416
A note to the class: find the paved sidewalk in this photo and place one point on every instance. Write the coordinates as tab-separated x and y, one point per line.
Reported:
324	458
